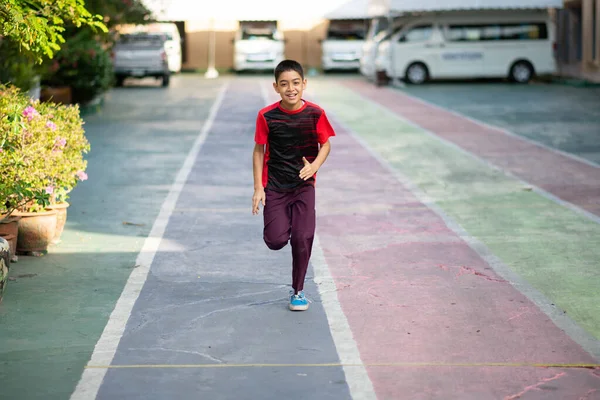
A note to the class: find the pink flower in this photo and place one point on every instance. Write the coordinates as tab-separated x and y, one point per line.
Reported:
81	175
50	189
52	126
30	113
59	143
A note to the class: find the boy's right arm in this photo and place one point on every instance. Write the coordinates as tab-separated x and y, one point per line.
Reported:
258	158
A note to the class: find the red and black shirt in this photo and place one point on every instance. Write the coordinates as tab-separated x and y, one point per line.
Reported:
289	136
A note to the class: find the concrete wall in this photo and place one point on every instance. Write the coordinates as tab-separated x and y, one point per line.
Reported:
196	43
302	45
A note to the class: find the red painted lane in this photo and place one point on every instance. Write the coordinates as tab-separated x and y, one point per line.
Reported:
482	383
564	177
413	291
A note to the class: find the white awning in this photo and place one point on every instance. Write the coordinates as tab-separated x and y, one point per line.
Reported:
352	9
382	7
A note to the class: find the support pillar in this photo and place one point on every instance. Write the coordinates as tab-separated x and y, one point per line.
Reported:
587	29
597	23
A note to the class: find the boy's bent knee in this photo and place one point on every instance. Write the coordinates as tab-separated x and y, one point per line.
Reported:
276	243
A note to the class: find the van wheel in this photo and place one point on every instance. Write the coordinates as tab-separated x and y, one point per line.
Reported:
521	72
417	73
165	80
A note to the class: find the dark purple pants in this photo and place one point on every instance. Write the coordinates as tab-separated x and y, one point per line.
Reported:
290	216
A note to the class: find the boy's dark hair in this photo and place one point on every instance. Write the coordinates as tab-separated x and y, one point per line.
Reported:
288	65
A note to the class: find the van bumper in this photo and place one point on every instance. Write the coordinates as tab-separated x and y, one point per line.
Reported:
256	65
329	64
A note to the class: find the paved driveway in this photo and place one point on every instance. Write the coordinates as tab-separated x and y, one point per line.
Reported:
445	265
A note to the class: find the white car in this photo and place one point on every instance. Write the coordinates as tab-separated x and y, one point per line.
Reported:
258	47
342	47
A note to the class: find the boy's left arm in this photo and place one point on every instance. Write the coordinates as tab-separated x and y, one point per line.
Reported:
311	168
324	132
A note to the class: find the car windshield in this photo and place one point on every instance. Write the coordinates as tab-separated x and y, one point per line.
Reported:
385	35
142	39
345	35
258	34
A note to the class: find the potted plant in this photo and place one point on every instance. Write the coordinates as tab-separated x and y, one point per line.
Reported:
68	168
15	192
42	144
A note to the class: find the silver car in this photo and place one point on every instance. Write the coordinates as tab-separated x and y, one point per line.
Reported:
141	55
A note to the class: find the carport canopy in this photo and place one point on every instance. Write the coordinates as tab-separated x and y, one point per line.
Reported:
378	8
352	9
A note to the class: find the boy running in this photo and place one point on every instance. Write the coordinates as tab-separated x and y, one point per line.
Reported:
292	143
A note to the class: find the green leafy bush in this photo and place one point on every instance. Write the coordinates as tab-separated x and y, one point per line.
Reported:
84	65
15	67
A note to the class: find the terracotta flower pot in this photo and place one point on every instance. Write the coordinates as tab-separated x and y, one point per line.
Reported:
62	94
36	231
61	219
4	265
9	229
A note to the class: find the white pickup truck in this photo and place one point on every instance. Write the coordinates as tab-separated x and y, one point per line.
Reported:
140	55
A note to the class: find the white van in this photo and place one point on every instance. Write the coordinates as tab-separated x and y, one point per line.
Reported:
172	46
378	32
342	47
515	44
258	45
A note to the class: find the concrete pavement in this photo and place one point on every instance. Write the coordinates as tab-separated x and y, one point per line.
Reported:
438	273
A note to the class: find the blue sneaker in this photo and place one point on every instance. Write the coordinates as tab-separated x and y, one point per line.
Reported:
298	302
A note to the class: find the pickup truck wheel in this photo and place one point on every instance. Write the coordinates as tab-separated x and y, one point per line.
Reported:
165	80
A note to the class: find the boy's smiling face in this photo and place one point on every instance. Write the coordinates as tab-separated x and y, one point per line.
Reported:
290	87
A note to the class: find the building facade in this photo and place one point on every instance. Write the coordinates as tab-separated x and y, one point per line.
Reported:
578	39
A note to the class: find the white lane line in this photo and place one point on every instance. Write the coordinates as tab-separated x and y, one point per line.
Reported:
105	349
361	387
357	378
499	129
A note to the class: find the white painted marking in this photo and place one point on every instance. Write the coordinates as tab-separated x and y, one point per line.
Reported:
563	321
502	130
361	387
106	347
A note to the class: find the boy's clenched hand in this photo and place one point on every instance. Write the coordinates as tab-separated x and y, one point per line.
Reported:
308	171
259	197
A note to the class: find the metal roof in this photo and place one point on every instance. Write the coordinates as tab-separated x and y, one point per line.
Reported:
352	9
381	7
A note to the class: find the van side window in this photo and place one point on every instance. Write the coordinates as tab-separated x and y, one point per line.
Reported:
417	34
524	31
516	31
464	33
